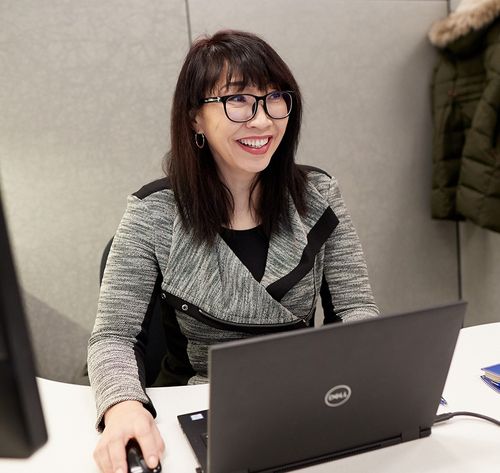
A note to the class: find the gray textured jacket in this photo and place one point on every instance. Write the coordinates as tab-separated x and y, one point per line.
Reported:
214	295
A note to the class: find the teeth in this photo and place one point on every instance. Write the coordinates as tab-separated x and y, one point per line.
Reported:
254	143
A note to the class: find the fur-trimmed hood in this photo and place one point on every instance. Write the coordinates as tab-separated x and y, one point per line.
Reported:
470	15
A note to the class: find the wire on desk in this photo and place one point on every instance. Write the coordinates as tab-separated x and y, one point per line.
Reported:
448	415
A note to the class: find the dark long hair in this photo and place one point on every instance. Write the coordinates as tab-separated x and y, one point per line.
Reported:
205	203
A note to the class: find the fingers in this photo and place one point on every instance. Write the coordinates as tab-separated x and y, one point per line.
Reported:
103	459
147	436
125	421
116	450
159	442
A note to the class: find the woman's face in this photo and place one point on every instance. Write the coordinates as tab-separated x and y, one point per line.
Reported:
240	150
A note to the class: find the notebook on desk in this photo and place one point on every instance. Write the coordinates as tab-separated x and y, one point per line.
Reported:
289	400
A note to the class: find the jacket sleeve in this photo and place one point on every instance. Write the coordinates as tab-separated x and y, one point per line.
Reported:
115	349
345	291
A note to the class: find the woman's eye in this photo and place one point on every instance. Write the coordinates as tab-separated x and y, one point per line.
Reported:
237	99
275	96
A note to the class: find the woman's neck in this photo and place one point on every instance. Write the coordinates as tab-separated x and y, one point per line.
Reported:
244	215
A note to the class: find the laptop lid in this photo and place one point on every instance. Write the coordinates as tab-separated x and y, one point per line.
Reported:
298	398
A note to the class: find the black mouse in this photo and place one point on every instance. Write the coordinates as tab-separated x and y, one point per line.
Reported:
135	460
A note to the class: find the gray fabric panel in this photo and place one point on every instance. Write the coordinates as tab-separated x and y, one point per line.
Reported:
85	92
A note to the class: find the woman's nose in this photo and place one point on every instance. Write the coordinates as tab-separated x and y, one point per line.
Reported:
260	119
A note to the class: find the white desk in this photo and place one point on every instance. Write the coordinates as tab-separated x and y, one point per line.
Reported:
460	445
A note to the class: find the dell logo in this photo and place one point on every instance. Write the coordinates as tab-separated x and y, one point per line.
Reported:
337	396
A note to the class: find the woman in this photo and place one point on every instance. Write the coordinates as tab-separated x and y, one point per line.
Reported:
240	238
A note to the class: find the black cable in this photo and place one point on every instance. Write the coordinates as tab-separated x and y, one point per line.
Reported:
449	415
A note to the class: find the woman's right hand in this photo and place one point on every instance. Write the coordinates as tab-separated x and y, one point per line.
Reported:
123	421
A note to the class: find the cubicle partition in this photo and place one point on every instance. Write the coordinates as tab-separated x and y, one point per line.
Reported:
85	91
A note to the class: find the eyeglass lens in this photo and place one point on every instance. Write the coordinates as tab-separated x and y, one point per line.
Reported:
242	107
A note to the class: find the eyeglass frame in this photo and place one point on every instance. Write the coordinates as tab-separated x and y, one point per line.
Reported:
224	98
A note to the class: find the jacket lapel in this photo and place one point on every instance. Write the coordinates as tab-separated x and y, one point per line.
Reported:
213	279
293	249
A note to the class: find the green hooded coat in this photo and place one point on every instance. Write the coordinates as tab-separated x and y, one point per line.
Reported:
465	109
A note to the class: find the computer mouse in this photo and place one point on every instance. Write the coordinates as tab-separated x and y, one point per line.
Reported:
135	460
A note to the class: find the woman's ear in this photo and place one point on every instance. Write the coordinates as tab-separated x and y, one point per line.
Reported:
197	123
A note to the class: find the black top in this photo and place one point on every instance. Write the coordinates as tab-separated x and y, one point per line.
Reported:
250	246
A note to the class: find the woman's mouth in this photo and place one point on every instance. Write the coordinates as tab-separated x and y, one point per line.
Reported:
255	145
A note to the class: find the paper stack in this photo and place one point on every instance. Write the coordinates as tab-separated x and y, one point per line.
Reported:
491	377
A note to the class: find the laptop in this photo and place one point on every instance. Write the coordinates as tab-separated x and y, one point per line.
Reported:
285	401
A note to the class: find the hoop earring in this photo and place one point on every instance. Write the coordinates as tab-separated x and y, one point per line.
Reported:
197	141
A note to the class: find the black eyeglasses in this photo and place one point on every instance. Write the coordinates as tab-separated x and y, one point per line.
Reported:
242	108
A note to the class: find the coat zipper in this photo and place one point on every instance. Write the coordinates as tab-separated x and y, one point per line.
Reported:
204	317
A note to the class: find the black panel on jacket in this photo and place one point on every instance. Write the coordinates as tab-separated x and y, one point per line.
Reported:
175	367
315	240
329	315
210	320
308	168
152	187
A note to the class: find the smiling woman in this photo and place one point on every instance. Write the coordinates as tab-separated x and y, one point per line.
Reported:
242	138
245	107
238	239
